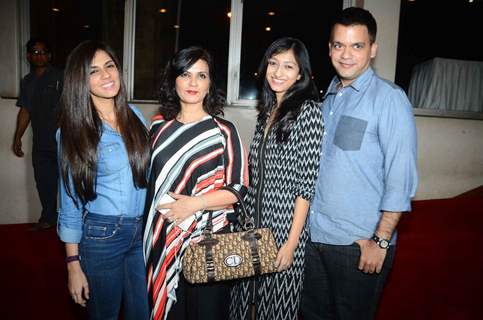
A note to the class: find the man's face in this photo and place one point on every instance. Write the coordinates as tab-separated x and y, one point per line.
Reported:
39	56
351	51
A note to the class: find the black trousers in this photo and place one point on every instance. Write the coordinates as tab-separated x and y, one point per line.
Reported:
46	179
201	302
334	288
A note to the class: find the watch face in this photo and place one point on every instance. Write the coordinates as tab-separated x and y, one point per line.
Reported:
383	243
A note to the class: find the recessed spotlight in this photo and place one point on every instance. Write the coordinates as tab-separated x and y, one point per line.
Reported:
163	10
228	14
271	13
268	29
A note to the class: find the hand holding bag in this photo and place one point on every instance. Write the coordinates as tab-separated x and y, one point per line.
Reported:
233	255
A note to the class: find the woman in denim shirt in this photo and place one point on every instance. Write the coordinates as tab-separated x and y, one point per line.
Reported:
103	160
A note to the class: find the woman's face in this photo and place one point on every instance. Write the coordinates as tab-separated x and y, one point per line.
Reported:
282	72
104	82
193	85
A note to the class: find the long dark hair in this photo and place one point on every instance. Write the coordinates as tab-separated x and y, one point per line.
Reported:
303	89
81	126
214	100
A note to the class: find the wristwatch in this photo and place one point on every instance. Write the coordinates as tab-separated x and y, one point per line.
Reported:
382	243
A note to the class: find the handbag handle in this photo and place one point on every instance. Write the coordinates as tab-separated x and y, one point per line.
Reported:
248	222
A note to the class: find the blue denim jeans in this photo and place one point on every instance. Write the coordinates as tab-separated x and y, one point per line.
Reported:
112	259
334	287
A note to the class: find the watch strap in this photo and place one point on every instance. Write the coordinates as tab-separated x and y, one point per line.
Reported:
72	258
382	243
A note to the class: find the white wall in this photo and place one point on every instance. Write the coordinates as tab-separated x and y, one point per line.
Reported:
19	201
450	156
386	14
450	159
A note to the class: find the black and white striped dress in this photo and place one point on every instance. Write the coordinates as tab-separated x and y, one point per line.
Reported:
189	159
289	171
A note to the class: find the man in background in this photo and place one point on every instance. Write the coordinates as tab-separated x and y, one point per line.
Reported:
38	104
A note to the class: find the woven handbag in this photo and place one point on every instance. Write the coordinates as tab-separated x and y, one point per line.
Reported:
229	256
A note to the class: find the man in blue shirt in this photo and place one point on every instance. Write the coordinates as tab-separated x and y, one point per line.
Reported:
366	181
38	101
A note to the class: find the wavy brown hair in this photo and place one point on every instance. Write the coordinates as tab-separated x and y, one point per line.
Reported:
81	126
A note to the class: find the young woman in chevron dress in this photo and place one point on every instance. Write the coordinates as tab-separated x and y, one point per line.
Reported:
193	154
284	162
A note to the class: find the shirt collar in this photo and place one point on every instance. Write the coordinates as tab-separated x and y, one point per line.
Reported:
358	84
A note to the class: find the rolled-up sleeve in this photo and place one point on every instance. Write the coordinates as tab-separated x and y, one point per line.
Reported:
308	141
69	226
398	140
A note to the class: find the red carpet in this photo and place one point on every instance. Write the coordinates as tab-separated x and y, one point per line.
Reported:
437	273
33	276
438	268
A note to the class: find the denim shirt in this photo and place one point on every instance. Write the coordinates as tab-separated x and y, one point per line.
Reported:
368	159
116	193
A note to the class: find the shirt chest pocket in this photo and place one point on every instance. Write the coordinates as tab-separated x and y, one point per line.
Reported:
112	157
350	133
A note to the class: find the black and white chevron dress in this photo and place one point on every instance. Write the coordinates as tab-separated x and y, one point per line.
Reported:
289	170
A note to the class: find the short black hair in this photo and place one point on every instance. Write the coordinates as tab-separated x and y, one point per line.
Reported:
31	43
357	16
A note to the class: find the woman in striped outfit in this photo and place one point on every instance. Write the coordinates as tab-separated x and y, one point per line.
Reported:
194	153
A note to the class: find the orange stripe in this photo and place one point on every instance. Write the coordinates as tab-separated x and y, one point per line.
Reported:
195	164
229	167
150	276
160	279
172	235
160	312
157	229
159	133
218	175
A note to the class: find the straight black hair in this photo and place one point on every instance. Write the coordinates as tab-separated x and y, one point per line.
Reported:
81	126
303	89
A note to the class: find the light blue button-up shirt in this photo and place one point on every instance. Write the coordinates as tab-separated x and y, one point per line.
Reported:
116	193
368	161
